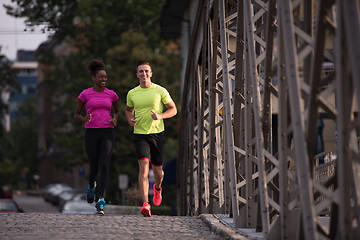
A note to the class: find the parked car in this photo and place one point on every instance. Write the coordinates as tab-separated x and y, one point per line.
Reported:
52	192
46	191
69	195
8	205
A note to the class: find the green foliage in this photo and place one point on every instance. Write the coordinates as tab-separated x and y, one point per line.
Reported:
9	171
7	75
122	61
7	80
19	146
67	83
14	144
91	22
120	33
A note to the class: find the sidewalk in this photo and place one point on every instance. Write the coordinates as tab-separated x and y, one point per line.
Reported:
220	224
224	225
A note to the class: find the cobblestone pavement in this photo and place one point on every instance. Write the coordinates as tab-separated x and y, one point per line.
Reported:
110	226
42	220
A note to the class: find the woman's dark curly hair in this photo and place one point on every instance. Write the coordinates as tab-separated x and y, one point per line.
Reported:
94	66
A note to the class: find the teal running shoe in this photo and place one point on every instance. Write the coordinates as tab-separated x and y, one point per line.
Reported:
90	195
100	206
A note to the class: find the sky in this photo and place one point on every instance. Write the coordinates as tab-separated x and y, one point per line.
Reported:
12	34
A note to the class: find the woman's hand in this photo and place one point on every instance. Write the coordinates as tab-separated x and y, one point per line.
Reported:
87	118
113	121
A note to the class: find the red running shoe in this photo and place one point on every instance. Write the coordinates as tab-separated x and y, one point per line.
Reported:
157	196
145	210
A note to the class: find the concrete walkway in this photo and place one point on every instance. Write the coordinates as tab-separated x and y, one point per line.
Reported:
41	220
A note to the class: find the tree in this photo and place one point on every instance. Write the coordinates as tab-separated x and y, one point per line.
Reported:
90	22
118	32
19	146
120	63
122	58
7	80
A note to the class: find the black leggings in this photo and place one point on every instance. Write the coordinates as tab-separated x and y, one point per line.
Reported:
99	144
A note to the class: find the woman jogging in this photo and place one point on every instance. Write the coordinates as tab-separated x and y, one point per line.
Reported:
99	124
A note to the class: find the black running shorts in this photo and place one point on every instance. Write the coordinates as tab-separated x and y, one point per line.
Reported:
150	146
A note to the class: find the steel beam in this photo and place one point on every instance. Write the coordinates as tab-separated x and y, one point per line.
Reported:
250	60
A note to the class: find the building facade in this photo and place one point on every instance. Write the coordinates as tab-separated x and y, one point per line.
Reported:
26	69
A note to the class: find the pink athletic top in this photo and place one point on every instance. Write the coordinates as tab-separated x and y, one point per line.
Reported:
98	104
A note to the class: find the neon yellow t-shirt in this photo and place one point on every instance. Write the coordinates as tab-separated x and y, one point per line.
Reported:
143	100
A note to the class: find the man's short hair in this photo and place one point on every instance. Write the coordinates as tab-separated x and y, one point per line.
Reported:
142	63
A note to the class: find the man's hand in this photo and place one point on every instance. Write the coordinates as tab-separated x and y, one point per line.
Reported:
155	116
132	121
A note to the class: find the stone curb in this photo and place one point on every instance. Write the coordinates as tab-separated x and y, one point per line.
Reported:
219	228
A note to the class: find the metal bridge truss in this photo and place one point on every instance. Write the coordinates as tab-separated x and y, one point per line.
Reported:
253	93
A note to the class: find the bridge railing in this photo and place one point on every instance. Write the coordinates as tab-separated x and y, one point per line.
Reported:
254	89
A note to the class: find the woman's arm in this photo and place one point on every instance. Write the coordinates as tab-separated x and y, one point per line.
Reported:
77	115
113	120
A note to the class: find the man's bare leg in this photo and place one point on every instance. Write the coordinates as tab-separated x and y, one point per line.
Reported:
144	179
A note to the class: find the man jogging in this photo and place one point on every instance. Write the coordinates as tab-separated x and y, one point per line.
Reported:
144	112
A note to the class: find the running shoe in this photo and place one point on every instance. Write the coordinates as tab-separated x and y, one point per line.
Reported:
90	195
157	196
145	210
100	206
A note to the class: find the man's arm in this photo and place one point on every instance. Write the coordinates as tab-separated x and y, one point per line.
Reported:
129	113
170	112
